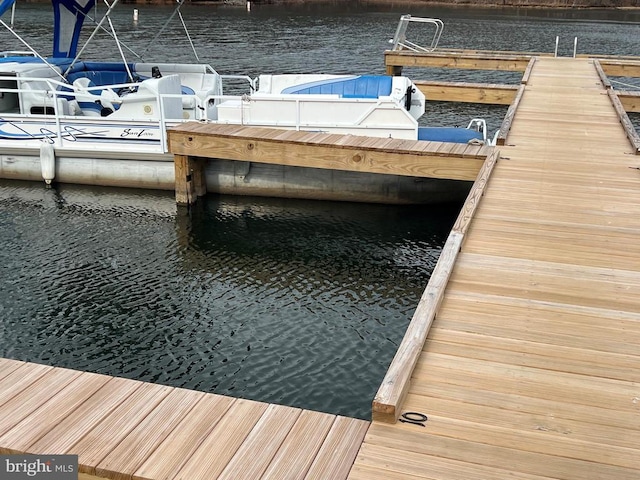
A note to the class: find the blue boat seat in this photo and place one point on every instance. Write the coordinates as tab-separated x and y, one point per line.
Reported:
101	77
365	86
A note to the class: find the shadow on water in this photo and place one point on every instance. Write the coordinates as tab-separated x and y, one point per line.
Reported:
295	302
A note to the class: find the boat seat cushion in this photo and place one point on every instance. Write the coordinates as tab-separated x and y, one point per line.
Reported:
100	77
365	86
448	134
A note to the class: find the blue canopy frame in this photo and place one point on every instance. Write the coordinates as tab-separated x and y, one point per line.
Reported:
68	16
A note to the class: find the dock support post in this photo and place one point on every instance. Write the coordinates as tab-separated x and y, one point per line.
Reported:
199	178
394	70
190	182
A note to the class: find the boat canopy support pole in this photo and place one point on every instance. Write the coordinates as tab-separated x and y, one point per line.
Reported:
93	34
93	19
161	31
31	49
124	60
184	25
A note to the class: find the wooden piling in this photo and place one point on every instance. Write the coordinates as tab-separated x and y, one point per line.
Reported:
190	179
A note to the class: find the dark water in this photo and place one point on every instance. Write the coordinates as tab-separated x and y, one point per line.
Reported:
294	302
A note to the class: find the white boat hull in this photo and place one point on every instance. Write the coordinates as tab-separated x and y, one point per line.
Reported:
241	178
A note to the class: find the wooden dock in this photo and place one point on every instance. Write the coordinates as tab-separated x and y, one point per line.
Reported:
531	366
521	360
125	429
496	94
191	142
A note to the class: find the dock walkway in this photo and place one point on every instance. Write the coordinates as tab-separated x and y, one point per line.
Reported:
531	369
126	429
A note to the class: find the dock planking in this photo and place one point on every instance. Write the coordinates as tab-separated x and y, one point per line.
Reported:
126	429
530	366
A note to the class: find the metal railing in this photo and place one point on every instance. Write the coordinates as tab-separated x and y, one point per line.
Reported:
400	41
50	91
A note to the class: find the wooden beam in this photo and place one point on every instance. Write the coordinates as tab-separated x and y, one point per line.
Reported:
334	152
388	401
508	118
394	387
603	76
494	94
477	191
86	476
184	190
477	61
394	70
620	68
527	72
629	100
629	128
199	178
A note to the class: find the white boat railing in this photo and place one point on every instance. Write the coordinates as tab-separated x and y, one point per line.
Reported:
301	100
16	53
51	91
400	41
54	92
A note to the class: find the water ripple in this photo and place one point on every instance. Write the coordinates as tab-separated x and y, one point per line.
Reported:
295	302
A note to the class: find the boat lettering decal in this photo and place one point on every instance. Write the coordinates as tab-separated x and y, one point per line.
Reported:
134	132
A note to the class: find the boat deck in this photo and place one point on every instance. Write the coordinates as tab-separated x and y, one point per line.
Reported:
531	368
126	429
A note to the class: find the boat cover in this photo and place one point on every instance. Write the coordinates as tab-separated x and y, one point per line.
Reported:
364	86
5	5
68	18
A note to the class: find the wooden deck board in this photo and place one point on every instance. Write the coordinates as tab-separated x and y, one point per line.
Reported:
126	429
114	428
48	416
225	439
18	377
29	399
530	369
548	433
7	366
72	429
293	462
168	459
127	457
258	450
334	460
406	444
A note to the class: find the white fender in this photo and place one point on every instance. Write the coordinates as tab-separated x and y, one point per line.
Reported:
48	162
